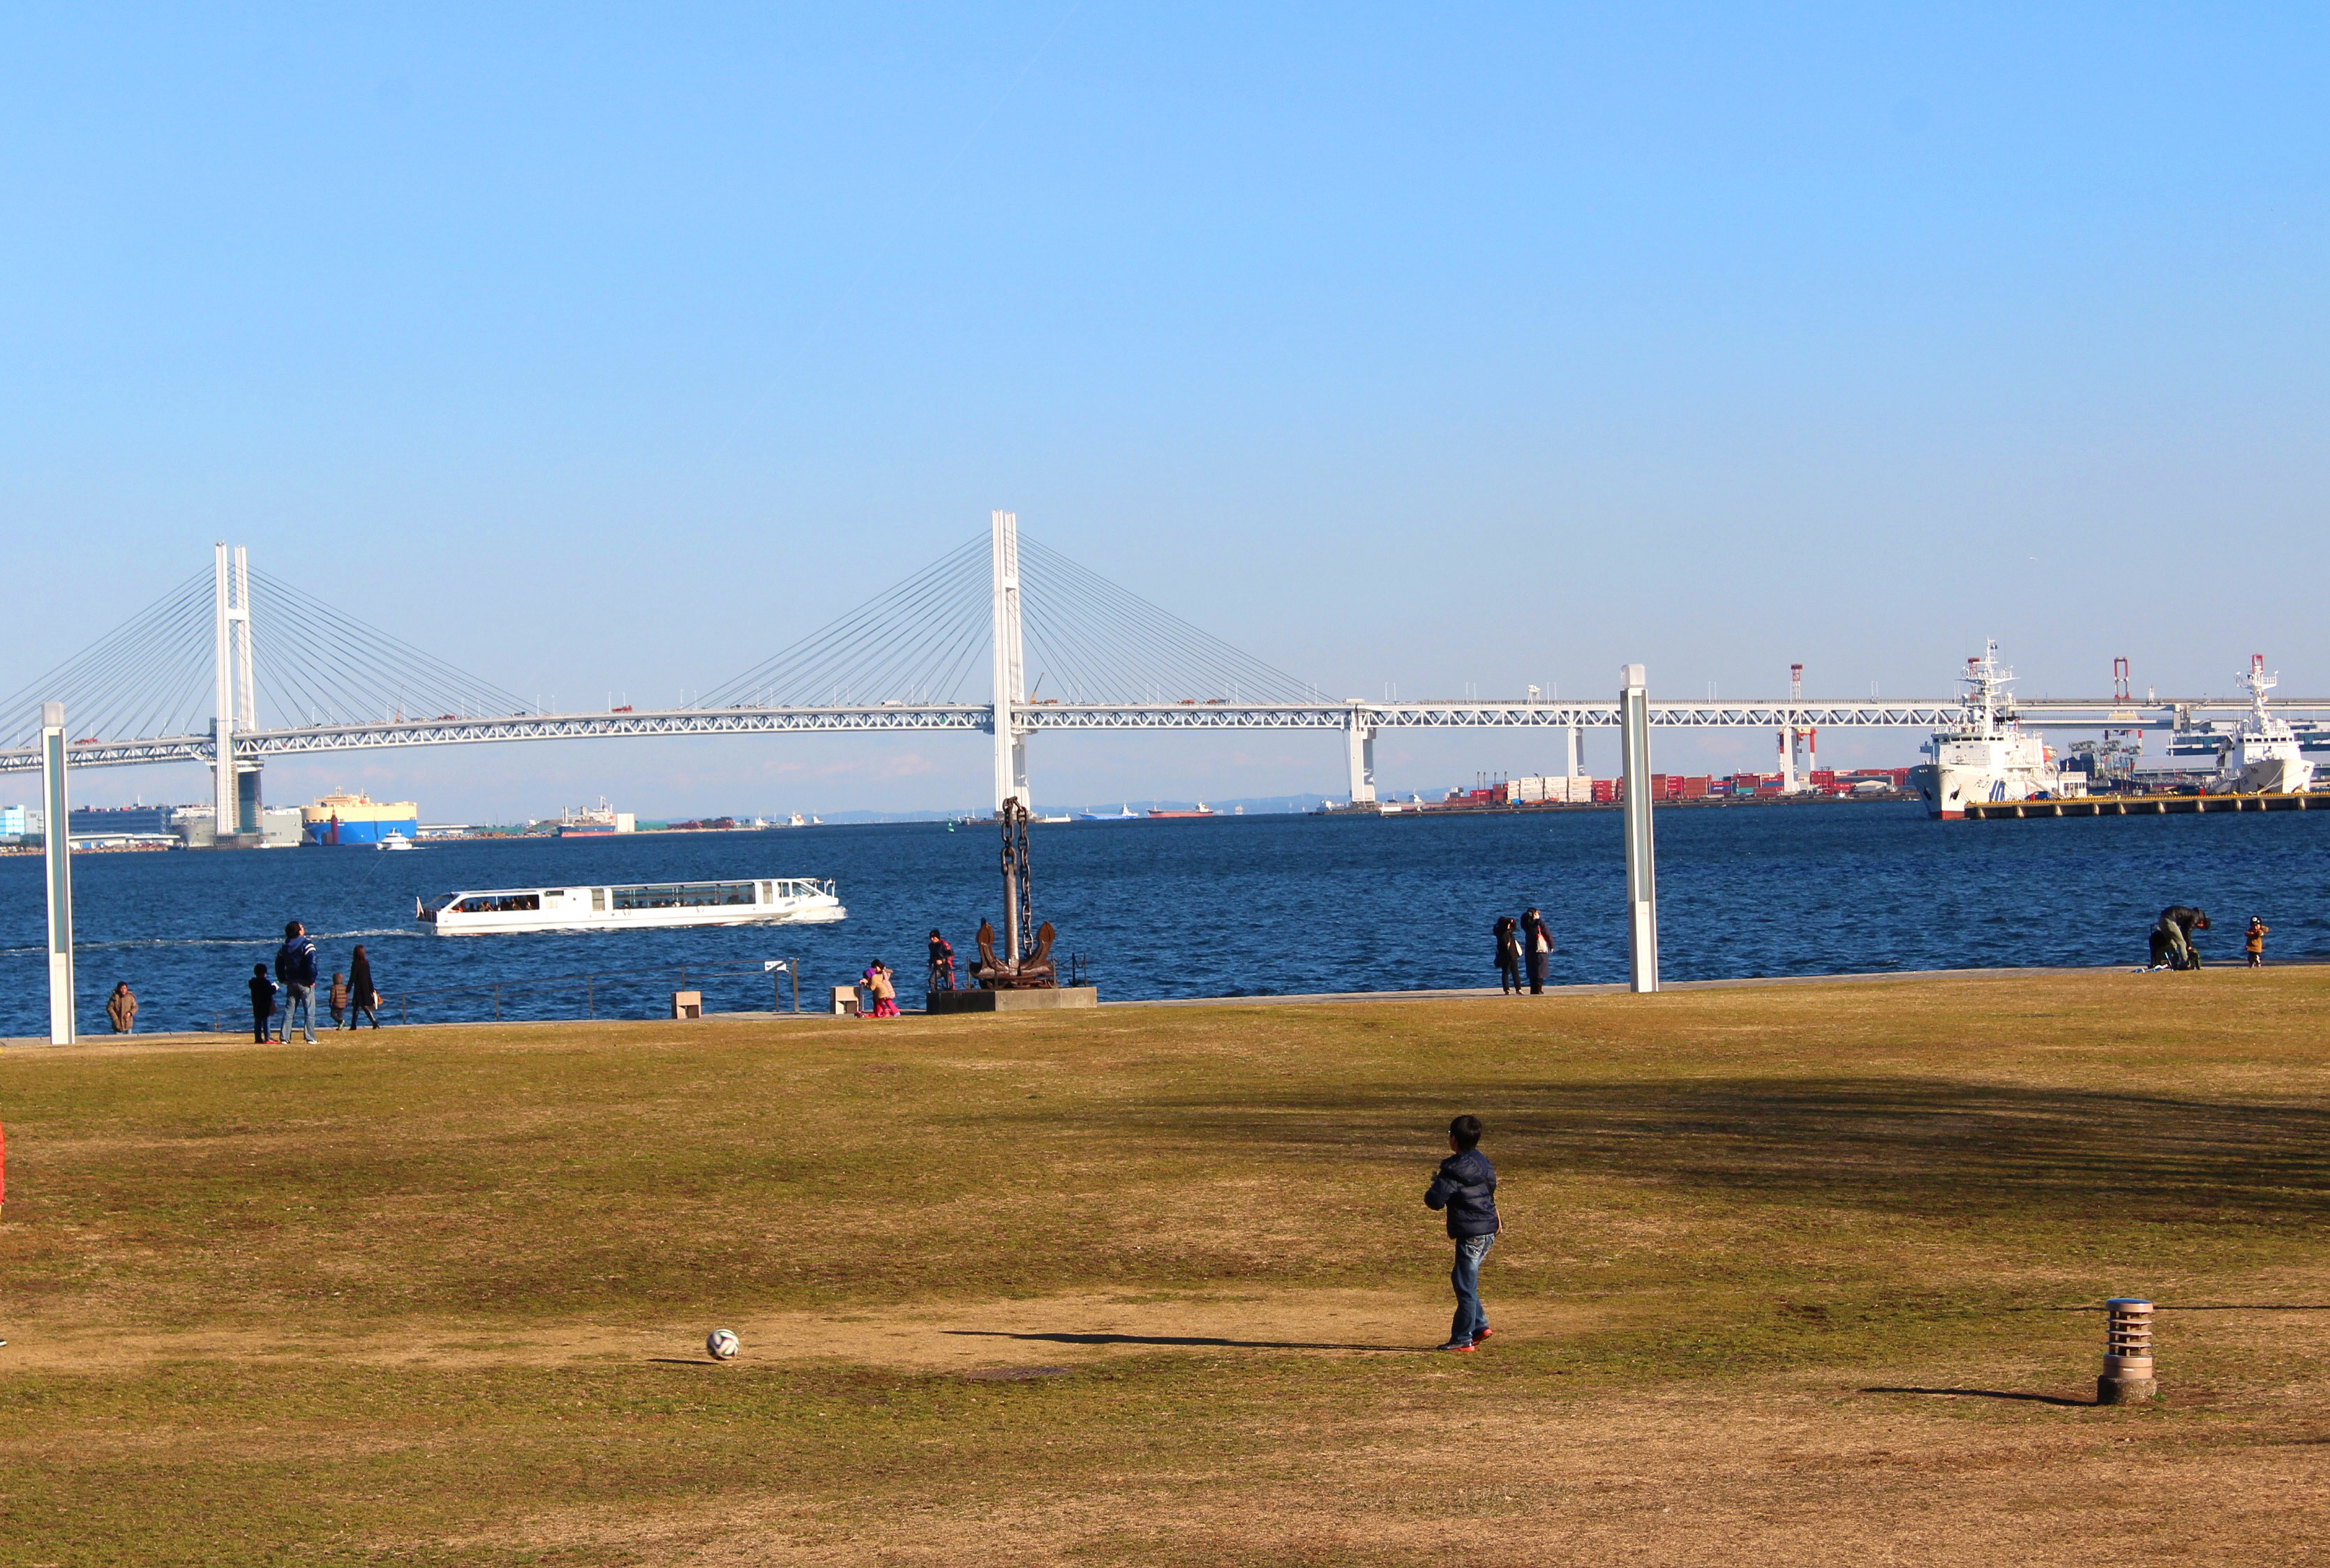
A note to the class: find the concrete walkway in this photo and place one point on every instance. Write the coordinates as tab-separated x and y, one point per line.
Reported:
1473	993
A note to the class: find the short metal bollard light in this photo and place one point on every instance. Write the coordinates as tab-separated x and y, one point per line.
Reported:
2127	1353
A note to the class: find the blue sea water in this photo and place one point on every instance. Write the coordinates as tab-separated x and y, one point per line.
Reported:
1231	906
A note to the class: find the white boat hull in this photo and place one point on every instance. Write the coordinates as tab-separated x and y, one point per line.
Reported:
643	907
2270	776
1947	788
639	921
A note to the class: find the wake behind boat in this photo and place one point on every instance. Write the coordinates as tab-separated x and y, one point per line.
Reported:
640	906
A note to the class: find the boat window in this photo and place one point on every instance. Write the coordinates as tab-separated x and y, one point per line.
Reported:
768	893
500	903
683	895
598	901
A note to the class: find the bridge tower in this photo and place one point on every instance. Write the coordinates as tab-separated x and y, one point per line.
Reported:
1360	737
1011	668
234	789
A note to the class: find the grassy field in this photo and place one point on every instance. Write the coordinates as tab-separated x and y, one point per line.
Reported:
1803	1274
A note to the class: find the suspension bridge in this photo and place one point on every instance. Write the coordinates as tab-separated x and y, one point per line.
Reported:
234	667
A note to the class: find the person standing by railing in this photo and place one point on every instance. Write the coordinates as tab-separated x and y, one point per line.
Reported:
121	1009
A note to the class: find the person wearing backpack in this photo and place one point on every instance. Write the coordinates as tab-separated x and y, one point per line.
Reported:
295	966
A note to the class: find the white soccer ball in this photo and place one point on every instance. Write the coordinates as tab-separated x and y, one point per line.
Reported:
721	1344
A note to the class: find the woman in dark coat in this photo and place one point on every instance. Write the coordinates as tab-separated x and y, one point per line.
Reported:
1537	949
362	997
1509	955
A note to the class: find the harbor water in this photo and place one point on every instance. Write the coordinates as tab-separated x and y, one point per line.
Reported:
1228	906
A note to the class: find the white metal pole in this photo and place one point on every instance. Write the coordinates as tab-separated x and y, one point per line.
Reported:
1359	740
1642	877
1578	751
222	722
1010	669
56	831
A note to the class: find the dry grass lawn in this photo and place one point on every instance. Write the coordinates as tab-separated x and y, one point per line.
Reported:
1792	1275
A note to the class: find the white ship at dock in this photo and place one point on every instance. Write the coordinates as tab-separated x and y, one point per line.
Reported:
2263	756
1989	758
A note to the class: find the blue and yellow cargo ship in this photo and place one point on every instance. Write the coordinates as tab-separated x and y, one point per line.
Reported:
347	819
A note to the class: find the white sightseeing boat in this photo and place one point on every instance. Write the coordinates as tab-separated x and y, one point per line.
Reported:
2263	756
1989	758
636	906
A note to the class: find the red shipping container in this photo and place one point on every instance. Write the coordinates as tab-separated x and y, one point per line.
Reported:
1606	792
1696	788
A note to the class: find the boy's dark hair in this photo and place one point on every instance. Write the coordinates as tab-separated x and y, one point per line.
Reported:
259	969
292	929
1466	1130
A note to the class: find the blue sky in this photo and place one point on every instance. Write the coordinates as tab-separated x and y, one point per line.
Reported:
606	349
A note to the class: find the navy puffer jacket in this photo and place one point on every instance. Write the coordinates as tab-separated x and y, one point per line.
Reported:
294	962
1466	1186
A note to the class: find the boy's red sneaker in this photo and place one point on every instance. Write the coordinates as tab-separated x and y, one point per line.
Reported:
1463	1346
1482	1334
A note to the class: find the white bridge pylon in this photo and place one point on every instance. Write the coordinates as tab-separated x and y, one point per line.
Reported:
191	678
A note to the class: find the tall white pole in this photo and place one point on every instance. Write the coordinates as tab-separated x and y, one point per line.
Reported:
1011	668
56	831
1642	877
1360	737
222	722
1576	752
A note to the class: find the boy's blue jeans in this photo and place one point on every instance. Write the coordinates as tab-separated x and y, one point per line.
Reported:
1467	1277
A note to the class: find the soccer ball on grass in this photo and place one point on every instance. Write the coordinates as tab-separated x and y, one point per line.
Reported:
721	1344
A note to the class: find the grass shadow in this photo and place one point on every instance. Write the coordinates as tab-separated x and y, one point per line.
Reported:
1201	1340
1993	1393
1929	1144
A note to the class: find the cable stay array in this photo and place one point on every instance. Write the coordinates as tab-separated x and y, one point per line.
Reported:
312	666
316	665
927	641
150	676
1091	641
919	642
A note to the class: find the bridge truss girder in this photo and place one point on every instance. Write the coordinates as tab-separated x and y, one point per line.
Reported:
980	718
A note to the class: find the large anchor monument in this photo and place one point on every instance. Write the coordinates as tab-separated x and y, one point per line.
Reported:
1021	974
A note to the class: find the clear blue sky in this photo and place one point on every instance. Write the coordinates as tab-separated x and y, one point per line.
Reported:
606	349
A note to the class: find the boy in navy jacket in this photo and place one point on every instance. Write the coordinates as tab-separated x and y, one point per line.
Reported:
1466	1186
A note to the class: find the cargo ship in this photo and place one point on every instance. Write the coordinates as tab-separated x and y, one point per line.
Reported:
352	817
591	821
1202	810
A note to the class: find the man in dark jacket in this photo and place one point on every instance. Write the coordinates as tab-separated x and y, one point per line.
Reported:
295	966
1466	1186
